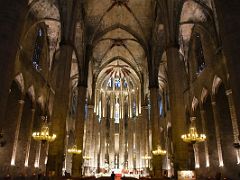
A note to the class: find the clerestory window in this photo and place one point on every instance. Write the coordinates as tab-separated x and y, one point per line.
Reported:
199	54
38	49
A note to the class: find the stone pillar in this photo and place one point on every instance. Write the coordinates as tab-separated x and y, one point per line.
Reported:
154	120
77	160
177	83
142	141
89	129
111	143
138	132
102	142
144	134
229	25
218	138
96	141
234	121
121	142
203	118
29	138
112	132
59	112
16	135
38	154
12	15
130	143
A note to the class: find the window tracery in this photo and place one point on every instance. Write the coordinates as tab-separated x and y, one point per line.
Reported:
38	49
199	54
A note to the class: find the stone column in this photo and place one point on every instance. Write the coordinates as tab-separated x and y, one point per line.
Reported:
218	138
12	15
77	160
234	121
16	135
154	120
144	134
111	142
121	142
228	18
142	140
138	140
89	129
29	138
59	112
177	84
203	118
102	142
38	154
130	143
96	141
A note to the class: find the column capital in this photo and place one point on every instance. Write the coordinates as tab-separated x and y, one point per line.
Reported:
90	106
213	103
228	92
145	107
213	99
20	101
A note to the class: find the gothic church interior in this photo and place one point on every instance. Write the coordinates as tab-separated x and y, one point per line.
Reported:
144	88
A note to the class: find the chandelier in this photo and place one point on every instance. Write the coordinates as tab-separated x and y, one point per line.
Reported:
159	151
146	157
87	157
43	135
74	150
193	137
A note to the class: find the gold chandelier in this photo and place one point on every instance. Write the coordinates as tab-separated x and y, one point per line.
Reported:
43	135
193	137
159	151
74	150
87	157
146	157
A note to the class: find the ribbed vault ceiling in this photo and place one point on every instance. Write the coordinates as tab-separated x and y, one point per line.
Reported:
119	30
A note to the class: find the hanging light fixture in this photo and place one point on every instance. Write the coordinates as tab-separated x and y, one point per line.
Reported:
193	137
87	157
159	151
44	135
74	150
146	157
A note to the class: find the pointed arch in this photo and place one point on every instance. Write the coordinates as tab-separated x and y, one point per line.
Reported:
204	95
20	82
31	92
217	81
195	103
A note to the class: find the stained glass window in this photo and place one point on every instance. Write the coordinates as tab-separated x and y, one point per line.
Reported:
117	113
199	54
38	49
117	83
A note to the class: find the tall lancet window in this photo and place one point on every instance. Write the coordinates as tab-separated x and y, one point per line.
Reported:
99	111
38	49
116	113
134	108
109	84
199	54
117	83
